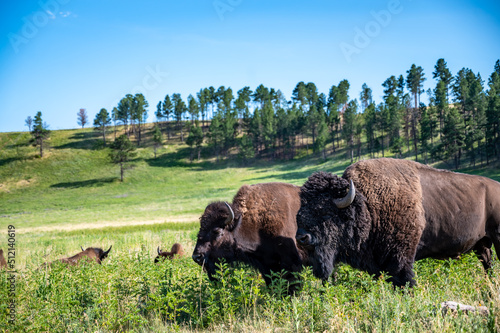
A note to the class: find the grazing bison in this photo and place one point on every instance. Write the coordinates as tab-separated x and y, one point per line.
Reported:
384	214
89	254
3	263
175	250
258	229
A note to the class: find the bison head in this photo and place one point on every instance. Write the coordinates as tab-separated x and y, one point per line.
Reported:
324	220
99	253
215	238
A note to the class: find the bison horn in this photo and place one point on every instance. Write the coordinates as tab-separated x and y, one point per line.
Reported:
108	250
231	217
81	247
159	251
348	199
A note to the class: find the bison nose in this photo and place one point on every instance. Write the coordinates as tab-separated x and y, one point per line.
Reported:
198	258
303	238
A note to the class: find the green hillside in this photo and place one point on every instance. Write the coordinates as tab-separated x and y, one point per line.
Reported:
76	184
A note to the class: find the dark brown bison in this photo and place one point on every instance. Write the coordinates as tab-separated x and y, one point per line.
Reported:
384	214
3	263
175	250
258	229
89	254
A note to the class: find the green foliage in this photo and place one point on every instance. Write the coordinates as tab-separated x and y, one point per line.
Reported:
40	132
122	150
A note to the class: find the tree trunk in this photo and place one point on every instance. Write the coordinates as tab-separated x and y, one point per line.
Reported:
121	172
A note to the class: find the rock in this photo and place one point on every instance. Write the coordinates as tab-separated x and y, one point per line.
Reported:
454	307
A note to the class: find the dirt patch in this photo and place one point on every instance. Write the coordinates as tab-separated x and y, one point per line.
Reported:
105	224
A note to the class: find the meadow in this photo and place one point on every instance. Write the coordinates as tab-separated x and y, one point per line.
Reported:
73	197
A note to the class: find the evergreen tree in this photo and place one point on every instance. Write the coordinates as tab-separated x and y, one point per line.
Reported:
159	112
349	128
101	122
246	149
40	132
216	134
179	110
452	139
139	114
493	113
195	140
425	132
122	150
370	120
193	108
124	111
167	109
157	138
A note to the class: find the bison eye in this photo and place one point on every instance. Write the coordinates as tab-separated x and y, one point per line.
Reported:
217	232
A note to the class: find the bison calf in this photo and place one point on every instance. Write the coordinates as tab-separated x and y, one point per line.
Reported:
175	250
384	214
89	254
258	229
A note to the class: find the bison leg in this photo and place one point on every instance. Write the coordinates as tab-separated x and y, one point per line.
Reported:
403	277
483	252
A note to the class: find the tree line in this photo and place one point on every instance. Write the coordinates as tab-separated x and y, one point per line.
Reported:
460	121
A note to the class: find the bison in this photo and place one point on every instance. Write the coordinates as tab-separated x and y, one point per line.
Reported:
384	214
175	250
3	263
258	228
89	254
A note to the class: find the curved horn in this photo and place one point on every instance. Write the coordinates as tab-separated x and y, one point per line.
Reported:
159	251
108	249
81	247
348	199
231	218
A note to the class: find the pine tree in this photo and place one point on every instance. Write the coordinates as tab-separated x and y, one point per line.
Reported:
139	114
167	110
370	120
40	132
122	150
195	140
101	122
216	134
493	113
452	139
179	110
349	128
157	138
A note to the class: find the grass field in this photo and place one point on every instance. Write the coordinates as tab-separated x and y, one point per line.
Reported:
73	197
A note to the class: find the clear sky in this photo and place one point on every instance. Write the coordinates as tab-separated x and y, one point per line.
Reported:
57	56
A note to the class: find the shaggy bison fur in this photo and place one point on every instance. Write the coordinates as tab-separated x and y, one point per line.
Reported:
258	228
396	212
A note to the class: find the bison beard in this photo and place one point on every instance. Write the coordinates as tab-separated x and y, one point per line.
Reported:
402	211
258	229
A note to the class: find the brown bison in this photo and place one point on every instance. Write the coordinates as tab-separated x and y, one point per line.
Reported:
3	263
89	254
175	250
384	214
258	229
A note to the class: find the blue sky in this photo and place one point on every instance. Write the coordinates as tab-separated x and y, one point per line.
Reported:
57	56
